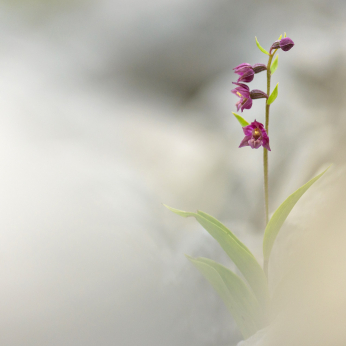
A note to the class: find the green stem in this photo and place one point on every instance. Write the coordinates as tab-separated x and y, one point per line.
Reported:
265	151
265	155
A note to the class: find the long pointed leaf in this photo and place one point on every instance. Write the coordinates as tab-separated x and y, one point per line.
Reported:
274	65
237	251
280	216
273	95
260	47
241	120
239	300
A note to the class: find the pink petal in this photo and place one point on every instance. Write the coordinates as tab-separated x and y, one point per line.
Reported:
245	141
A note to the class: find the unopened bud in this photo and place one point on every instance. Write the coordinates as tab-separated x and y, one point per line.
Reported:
259	68
258	94
285	44
275	45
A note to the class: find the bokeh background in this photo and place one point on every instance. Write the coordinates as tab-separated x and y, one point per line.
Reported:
110	108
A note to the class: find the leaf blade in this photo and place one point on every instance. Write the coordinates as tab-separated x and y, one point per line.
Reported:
239	300
239	254
241	120
260	47
179	212
281	214
274	65
273	95
237	251
224	228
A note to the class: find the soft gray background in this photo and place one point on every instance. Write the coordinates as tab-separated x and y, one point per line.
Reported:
110	108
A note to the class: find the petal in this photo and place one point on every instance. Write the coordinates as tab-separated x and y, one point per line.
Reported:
238	104
242	87
266	145
265	142
242	70
244	142
244	64
247	104
241	91
251	143
248	129
258	125
247	77
264	135
257	144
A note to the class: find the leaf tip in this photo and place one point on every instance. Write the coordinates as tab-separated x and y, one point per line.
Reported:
241	120
179	212
190	258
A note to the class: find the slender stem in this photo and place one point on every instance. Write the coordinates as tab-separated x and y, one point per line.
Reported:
265	151
265	155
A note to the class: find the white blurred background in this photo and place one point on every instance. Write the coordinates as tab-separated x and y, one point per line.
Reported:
109	109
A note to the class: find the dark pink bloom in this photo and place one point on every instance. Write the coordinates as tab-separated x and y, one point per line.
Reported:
243	92
255	136
285	44
246	96
247	72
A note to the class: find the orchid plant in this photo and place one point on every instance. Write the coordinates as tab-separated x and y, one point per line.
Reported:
249	300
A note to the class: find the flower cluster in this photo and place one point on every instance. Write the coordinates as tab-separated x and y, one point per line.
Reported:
255	133
246	73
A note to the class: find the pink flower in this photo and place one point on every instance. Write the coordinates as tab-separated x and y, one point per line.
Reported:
247	72
246	96
243	92
255	136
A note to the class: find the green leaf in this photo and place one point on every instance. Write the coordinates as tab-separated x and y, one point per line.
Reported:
273	95
237	251
239	300
180	212
280	38
285	35
260	47
241	120
274	64
280	216
217	223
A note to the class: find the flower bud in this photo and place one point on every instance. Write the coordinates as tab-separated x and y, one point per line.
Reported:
285	44
258	94
275	45
259	68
